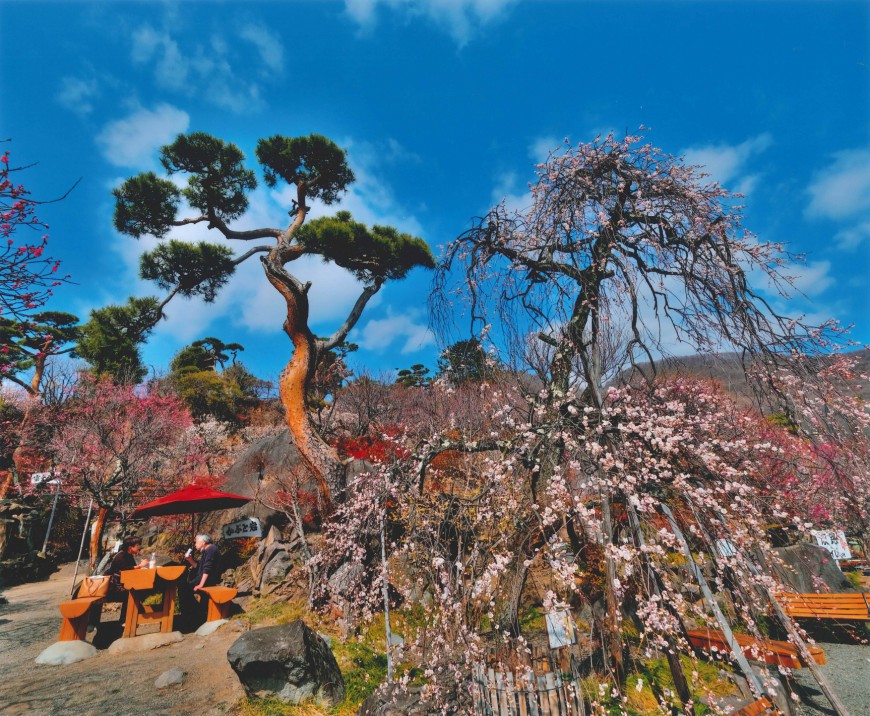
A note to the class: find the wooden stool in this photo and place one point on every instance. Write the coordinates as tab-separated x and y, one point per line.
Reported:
219	601
76	615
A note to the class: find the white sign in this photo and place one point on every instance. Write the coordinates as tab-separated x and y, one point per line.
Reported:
245	527
560	628
725	548
38	478
834	541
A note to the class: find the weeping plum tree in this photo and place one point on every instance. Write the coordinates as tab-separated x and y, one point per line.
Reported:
217	194
622	239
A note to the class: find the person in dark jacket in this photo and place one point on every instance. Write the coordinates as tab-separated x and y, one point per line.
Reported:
124	560
205	573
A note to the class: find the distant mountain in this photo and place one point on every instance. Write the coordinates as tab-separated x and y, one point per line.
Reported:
726	369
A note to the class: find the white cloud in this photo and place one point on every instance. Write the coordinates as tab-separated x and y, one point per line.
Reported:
268	44
842	190
131	141
813	278
541	148
728	164
76	94
514	191
461	18
508	189
378	335
219	69
850	238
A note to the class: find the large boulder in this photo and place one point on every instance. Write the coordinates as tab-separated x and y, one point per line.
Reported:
290	662
806	568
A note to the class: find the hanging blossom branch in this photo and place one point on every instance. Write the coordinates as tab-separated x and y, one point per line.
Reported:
27	275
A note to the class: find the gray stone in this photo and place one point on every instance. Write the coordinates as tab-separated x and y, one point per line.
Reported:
278	567
211	627
290	662
144	642
173	677
66	652
804	565
398	701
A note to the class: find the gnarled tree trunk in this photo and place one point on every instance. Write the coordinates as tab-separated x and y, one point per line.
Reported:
97	537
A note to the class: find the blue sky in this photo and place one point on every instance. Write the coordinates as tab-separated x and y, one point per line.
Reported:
444	106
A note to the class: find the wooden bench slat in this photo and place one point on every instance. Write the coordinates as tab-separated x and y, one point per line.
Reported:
845	606
781	653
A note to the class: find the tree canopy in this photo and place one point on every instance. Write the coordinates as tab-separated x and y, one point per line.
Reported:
218	184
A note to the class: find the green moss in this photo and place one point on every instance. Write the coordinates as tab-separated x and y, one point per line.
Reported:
532	619
855	578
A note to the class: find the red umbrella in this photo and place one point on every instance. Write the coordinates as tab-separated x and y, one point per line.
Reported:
189	500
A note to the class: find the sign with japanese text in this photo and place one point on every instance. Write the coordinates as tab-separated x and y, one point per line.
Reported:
560	628
835	542
245	527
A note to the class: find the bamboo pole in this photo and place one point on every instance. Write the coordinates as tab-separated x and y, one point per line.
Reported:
795	637
751	676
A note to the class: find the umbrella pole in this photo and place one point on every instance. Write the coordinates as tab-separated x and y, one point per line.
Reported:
82	545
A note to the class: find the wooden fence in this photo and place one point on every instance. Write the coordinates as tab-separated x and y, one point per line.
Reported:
544	686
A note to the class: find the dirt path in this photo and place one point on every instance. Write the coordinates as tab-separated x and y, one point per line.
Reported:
108	684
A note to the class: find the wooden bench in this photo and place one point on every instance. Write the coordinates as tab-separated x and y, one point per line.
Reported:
219	602
76	615
780	653
843	606
758	708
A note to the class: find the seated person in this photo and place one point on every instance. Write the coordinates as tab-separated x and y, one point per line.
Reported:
205	573
124	560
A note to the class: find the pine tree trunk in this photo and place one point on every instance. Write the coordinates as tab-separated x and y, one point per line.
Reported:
319	458
97	537
4	487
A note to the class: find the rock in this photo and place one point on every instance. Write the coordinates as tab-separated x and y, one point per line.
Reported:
341	585
278	566
806	565
211	627
172	677
144	643
288	661
66	652
273	535
398	701
4	600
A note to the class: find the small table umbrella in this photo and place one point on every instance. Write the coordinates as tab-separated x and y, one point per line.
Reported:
190	500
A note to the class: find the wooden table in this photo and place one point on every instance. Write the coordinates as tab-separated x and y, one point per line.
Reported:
142	583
